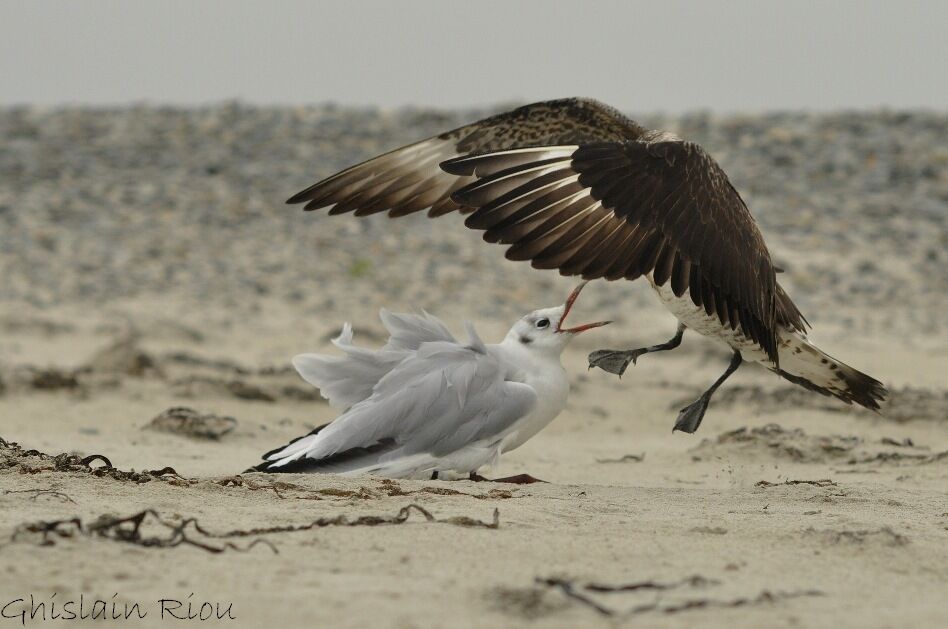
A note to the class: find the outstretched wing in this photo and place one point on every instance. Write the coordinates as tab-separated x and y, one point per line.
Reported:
348	379
409	179
621	210
440	398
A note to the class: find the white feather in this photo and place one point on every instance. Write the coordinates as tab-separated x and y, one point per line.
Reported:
425	402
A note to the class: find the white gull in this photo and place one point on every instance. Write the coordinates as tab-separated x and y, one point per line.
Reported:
426	404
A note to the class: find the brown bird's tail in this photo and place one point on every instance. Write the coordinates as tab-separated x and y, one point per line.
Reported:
803	363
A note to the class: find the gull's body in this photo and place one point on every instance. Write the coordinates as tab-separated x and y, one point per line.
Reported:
574	185
425	404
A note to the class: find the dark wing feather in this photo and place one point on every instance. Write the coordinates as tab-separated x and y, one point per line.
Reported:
409	179
575	185
688	225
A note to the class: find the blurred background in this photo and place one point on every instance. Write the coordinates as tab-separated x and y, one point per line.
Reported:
722	55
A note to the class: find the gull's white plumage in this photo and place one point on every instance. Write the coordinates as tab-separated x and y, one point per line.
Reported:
426	402
346	380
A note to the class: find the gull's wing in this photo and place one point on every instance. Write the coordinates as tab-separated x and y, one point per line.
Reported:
408	179
408	331
442	397
348	379
624	209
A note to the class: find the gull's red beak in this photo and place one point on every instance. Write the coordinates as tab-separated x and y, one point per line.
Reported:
569	306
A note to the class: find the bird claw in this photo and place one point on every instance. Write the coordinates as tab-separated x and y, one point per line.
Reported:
689	418
614	361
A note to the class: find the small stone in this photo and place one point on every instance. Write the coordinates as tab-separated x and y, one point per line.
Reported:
190	423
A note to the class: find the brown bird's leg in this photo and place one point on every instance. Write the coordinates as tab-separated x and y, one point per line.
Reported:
518	479
617	360
690	417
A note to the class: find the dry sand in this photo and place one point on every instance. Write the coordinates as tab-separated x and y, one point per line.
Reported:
785	509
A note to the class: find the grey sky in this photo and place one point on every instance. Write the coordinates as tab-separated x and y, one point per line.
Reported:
643	56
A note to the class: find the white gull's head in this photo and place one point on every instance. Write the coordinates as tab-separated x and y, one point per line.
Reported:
544	330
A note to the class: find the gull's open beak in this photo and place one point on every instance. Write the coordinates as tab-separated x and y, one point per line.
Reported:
569	306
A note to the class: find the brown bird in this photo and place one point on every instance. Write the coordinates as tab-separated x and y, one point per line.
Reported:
574	185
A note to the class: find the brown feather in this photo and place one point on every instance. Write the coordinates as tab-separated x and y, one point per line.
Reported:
681	274
683	220
664	264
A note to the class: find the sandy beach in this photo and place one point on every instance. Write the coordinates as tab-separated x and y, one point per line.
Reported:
153	288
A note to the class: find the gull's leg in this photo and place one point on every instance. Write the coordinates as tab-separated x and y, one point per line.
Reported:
690	417
616	360
519	479
434	475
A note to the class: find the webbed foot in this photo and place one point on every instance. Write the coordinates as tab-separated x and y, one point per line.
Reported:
689	418
615	361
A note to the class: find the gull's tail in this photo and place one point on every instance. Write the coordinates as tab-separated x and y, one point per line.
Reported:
803	363
300	443
291	458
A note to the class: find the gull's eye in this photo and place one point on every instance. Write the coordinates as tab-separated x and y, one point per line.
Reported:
543	323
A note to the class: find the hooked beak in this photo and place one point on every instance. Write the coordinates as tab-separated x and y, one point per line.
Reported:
569	306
